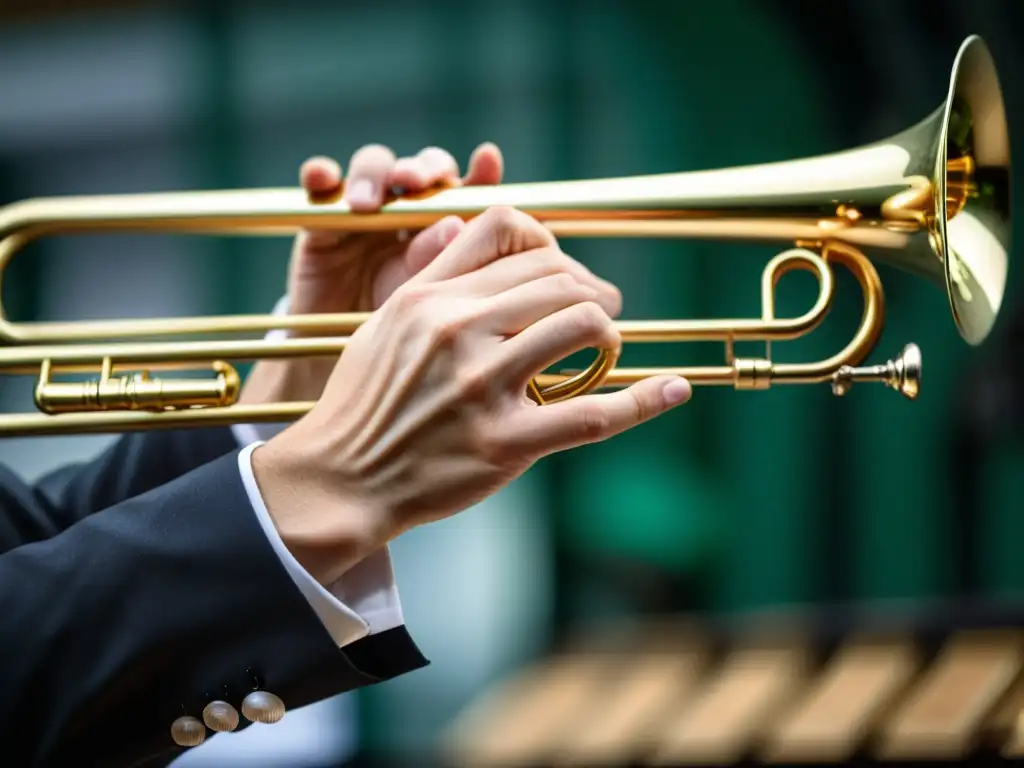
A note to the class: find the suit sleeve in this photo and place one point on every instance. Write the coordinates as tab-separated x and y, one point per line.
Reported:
133	464
151	608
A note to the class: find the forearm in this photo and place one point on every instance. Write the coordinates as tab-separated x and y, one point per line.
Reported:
150	610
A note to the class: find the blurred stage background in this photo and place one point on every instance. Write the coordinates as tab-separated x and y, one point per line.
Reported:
738	501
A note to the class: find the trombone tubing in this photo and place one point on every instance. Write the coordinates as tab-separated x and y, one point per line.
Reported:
172	355
792	203
788	202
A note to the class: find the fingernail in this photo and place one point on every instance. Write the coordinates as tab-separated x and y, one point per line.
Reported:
676	392
362	192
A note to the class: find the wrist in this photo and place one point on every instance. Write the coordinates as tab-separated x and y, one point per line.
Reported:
324	526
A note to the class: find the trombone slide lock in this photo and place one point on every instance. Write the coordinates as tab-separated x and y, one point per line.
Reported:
138	392
752	373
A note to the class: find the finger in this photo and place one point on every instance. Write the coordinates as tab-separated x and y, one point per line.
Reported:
486	166
431	166
367	177
556	337
506	273
320	175
496	233
547	429
513	311
428	244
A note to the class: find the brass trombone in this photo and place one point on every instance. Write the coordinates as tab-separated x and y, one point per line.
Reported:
933	200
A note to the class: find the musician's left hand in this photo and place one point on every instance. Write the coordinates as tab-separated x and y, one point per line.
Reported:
332	271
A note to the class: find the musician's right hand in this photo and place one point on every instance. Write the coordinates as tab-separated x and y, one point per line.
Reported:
426	412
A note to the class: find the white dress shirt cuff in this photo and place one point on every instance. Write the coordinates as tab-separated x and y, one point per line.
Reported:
362	602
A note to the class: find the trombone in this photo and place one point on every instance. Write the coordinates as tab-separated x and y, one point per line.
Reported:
933	200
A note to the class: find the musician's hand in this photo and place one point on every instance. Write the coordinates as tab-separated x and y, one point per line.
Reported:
333	271
426	414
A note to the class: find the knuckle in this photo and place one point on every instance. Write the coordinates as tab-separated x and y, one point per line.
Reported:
510	230
501	219
594	423
614	296
492	444
548	262
446	332
409	298
474	384
539	264
489	446
449	321
555	282
556	260
563	282
590	320
643	406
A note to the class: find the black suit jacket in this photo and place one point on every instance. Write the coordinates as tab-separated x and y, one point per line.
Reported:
139	587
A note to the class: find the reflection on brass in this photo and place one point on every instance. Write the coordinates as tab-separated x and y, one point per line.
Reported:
941	720
932	200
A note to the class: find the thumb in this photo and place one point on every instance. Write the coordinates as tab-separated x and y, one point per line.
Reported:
593	418
428	244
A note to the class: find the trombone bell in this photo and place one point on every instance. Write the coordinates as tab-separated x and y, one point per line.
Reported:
933	200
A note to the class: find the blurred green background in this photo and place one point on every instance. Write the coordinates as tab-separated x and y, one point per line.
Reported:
737	501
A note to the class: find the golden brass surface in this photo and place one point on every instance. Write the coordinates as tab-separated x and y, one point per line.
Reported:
932	200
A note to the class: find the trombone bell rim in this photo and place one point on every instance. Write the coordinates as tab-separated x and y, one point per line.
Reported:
972	232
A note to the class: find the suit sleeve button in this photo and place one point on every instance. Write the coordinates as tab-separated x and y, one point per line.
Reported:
262	707
220	716
188	732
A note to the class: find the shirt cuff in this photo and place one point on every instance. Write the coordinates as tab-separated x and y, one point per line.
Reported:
362	602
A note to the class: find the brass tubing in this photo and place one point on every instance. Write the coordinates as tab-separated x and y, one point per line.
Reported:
172	355
107	422
856	351
193	354
932	200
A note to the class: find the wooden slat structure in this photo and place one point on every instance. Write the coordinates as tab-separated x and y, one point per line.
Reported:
884	687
